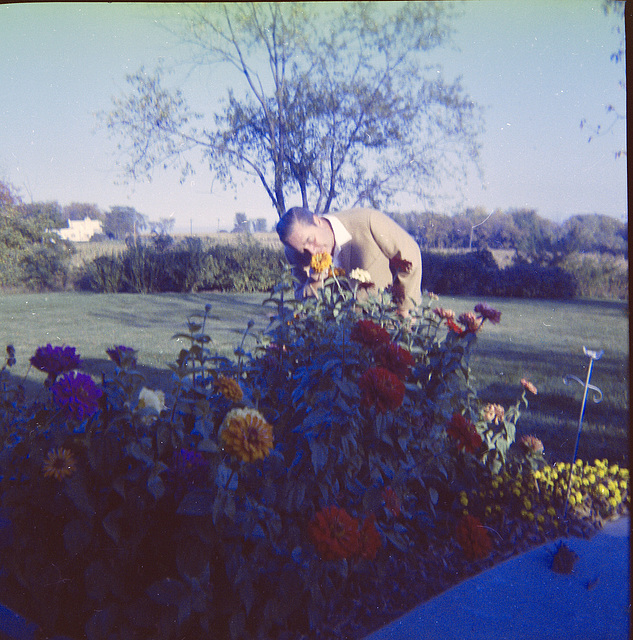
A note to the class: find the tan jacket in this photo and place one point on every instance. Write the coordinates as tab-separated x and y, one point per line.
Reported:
376	238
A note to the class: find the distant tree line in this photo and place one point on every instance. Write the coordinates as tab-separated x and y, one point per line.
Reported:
534	238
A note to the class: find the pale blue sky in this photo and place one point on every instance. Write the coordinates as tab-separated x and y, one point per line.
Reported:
538	67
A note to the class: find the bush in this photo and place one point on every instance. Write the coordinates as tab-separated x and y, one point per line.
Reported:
256	494
184	267
599	275
477	274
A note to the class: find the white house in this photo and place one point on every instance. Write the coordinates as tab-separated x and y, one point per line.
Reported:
81	230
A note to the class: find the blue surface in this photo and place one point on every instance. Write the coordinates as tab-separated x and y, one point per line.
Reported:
523	598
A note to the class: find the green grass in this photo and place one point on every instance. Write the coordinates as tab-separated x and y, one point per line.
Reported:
541	340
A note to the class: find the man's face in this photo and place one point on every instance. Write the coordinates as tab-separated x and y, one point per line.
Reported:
312	238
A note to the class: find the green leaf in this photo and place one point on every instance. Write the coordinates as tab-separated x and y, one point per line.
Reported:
77	536
319	452
199	502
74	488
168	591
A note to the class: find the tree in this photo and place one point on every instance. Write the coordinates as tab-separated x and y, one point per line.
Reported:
615	9
339	104
242	224
121	222
82	210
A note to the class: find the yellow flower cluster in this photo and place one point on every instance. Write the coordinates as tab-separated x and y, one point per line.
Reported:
320	262
229	388
246	435
597	490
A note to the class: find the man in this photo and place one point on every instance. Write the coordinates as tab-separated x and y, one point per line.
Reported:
356	239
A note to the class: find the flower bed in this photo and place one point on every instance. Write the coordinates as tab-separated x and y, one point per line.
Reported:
346	466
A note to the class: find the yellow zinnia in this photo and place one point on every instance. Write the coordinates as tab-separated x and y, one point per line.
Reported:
229	388
246	435
320	262
59	464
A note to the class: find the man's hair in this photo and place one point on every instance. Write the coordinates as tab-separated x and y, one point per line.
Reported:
294	215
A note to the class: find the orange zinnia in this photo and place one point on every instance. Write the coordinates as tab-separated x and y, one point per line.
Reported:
229	388
59	464
246	435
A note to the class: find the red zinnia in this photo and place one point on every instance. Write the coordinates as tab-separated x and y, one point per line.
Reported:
398	264
382	388
370	333
395	358
398	292
450	323
370	540
464	433
473	538
334	533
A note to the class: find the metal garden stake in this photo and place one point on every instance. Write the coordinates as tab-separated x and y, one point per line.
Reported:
597	397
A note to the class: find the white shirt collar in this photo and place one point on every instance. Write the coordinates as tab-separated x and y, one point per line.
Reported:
341	235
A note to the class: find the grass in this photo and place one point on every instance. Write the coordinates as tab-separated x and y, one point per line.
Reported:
541	340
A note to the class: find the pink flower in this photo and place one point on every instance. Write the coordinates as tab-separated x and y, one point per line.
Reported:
470	321
532	445
529	386
445	314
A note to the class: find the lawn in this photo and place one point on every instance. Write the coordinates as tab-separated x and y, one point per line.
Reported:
541	340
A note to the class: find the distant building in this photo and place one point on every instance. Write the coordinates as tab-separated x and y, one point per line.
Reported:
81	230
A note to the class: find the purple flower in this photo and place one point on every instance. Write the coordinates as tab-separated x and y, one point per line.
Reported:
55	360
488	313
77	395
123	357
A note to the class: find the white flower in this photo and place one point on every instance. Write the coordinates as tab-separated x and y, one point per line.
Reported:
148	399
361	275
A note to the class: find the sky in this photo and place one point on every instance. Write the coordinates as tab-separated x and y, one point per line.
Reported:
537	67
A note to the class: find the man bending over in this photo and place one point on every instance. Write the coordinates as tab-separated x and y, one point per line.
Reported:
356	239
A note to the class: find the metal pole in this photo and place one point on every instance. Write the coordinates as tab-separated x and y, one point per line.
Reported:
593	355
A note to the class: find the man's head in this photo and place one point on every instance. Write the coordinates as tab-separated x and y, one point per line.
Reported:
305	232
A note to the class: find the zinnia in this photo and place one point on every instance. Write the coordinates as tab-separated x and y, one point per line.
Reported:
246	435
395	358
150	399
398	264
488	313
532	445
382	388
361	275
369	333
334	533
464	433
229	388
398	292
470	321
77	394
59	464
473	538
55	360
124	357
320	262
529	386
445	314
450	323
